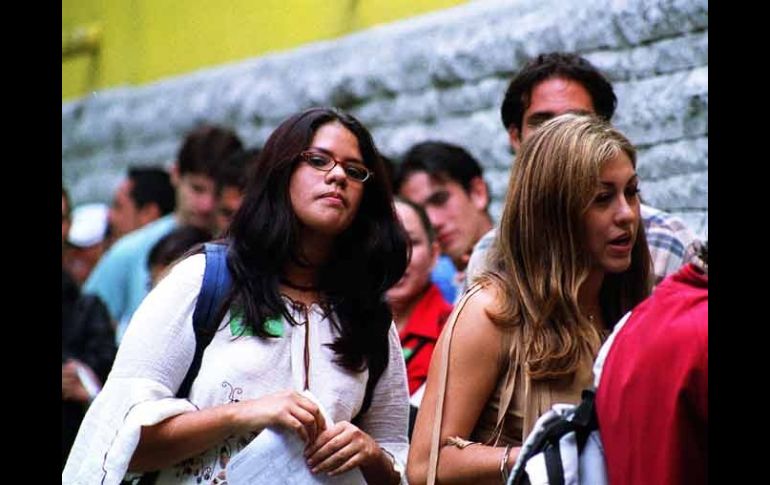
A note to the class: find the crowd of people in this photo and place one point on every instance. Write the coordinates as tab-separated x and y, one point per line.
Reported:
349	271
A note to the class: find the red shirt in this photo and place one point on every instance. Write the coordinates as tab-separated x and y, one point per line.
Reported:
421	333
652	397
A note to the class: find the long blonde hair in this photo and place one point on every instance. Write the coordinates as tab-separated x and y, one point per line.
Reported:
540	259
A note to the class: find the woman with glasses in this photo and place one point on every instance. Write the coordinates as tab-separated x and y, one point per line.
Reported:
311	251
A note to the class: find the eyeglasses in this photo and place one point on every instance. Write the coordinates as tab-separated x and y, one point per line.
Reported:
325	163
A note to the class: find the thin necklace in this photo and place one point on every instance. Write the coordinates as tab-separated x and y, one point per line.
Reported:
297	287
591	314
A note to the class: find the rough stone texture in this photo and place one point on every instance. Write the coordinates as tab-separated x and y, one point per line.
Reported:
438	76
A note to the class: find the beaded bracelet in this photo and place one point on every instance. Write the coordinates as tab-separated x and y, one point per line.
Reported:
504	465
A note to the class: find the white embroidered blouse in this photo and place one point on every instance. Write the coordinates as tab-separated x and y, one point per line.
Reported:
157	350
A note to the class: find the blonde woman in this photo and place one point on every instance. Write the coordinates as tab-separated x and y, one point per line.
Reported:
569	260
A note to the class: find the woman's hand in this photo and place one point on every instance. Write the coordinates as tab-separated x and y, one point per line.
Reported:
287	409
72	388
341	448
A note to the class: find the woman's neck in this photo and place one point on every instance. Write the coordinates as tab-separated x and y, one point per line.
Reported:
588	296
314	249
300	282
299	278
402	309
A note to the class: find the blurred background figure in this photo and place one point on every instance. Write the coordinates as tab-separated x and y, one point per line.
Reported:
447	181
88	346
121	277
171	247
86	241
145	195
418	307
231	180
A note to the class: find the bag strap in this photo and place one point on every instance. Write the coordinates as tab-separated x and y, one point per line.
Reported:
443	371
210	304
585	417
214	289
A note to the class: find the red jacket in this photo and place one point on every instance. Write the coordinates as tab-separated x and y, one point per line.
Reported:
419	336
652	399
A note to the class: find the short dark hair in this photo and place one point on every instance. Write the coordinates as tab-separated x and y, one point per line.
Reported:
234	171
556	65
205	148
441	160
152	185
176	243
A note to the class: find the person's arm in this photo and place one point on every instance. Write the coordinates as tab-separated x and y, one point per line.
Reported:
378	445
189	434
72	387
473	373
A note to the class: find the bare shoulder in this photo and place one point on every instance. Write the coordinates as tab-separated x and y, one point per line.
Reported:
474	324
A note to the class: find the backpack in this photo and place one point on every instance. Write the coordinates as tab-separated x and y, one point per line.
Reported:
563	448
210	305
209	308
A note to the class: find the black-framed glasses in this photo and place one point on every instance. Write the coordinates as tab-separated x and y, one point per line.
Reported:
325	163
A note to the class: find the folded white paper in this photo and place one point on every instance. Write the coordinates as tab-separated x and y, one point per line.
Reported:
276	456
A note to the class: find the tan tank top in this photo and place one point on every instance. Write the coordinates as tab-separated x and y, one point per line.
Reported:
528	401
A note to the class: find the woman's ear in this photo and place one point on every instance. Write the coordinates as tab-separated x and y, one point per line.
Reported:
479	193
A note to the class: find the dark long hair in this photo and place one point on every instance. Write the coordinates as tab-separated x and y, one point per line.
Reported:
369	257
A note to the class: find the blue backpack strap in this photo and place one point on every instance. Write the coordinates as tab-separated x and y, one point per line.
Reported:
216	285
214	289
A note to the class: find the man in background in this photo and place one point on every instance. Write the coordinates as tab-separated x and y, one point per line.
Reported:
557	83
447	182
122	277
144	196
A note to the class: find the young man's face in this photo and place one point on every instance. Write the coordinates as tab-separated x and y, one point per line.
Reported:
459	217
550	98
195	200
228	203
123	215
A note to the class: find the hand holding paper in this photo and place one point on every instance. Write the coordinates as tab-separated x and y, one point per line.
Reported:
290	410
276	455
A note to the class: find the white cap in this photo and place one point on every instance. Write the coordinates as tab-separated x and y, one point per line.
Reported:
89	225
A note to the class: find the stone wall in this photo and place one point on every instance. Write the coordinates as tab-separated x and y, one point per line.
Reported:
439	76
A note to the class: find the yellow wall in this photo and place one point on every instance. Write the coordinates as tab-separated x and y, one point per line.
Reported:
140	41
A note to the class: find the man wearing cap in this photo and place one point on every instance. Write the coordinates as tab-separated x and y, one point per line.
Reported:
88	338
86	241
121	278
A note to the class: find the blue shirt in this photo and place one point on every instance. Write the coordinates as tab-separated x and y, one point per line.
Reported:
121	278
443	275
